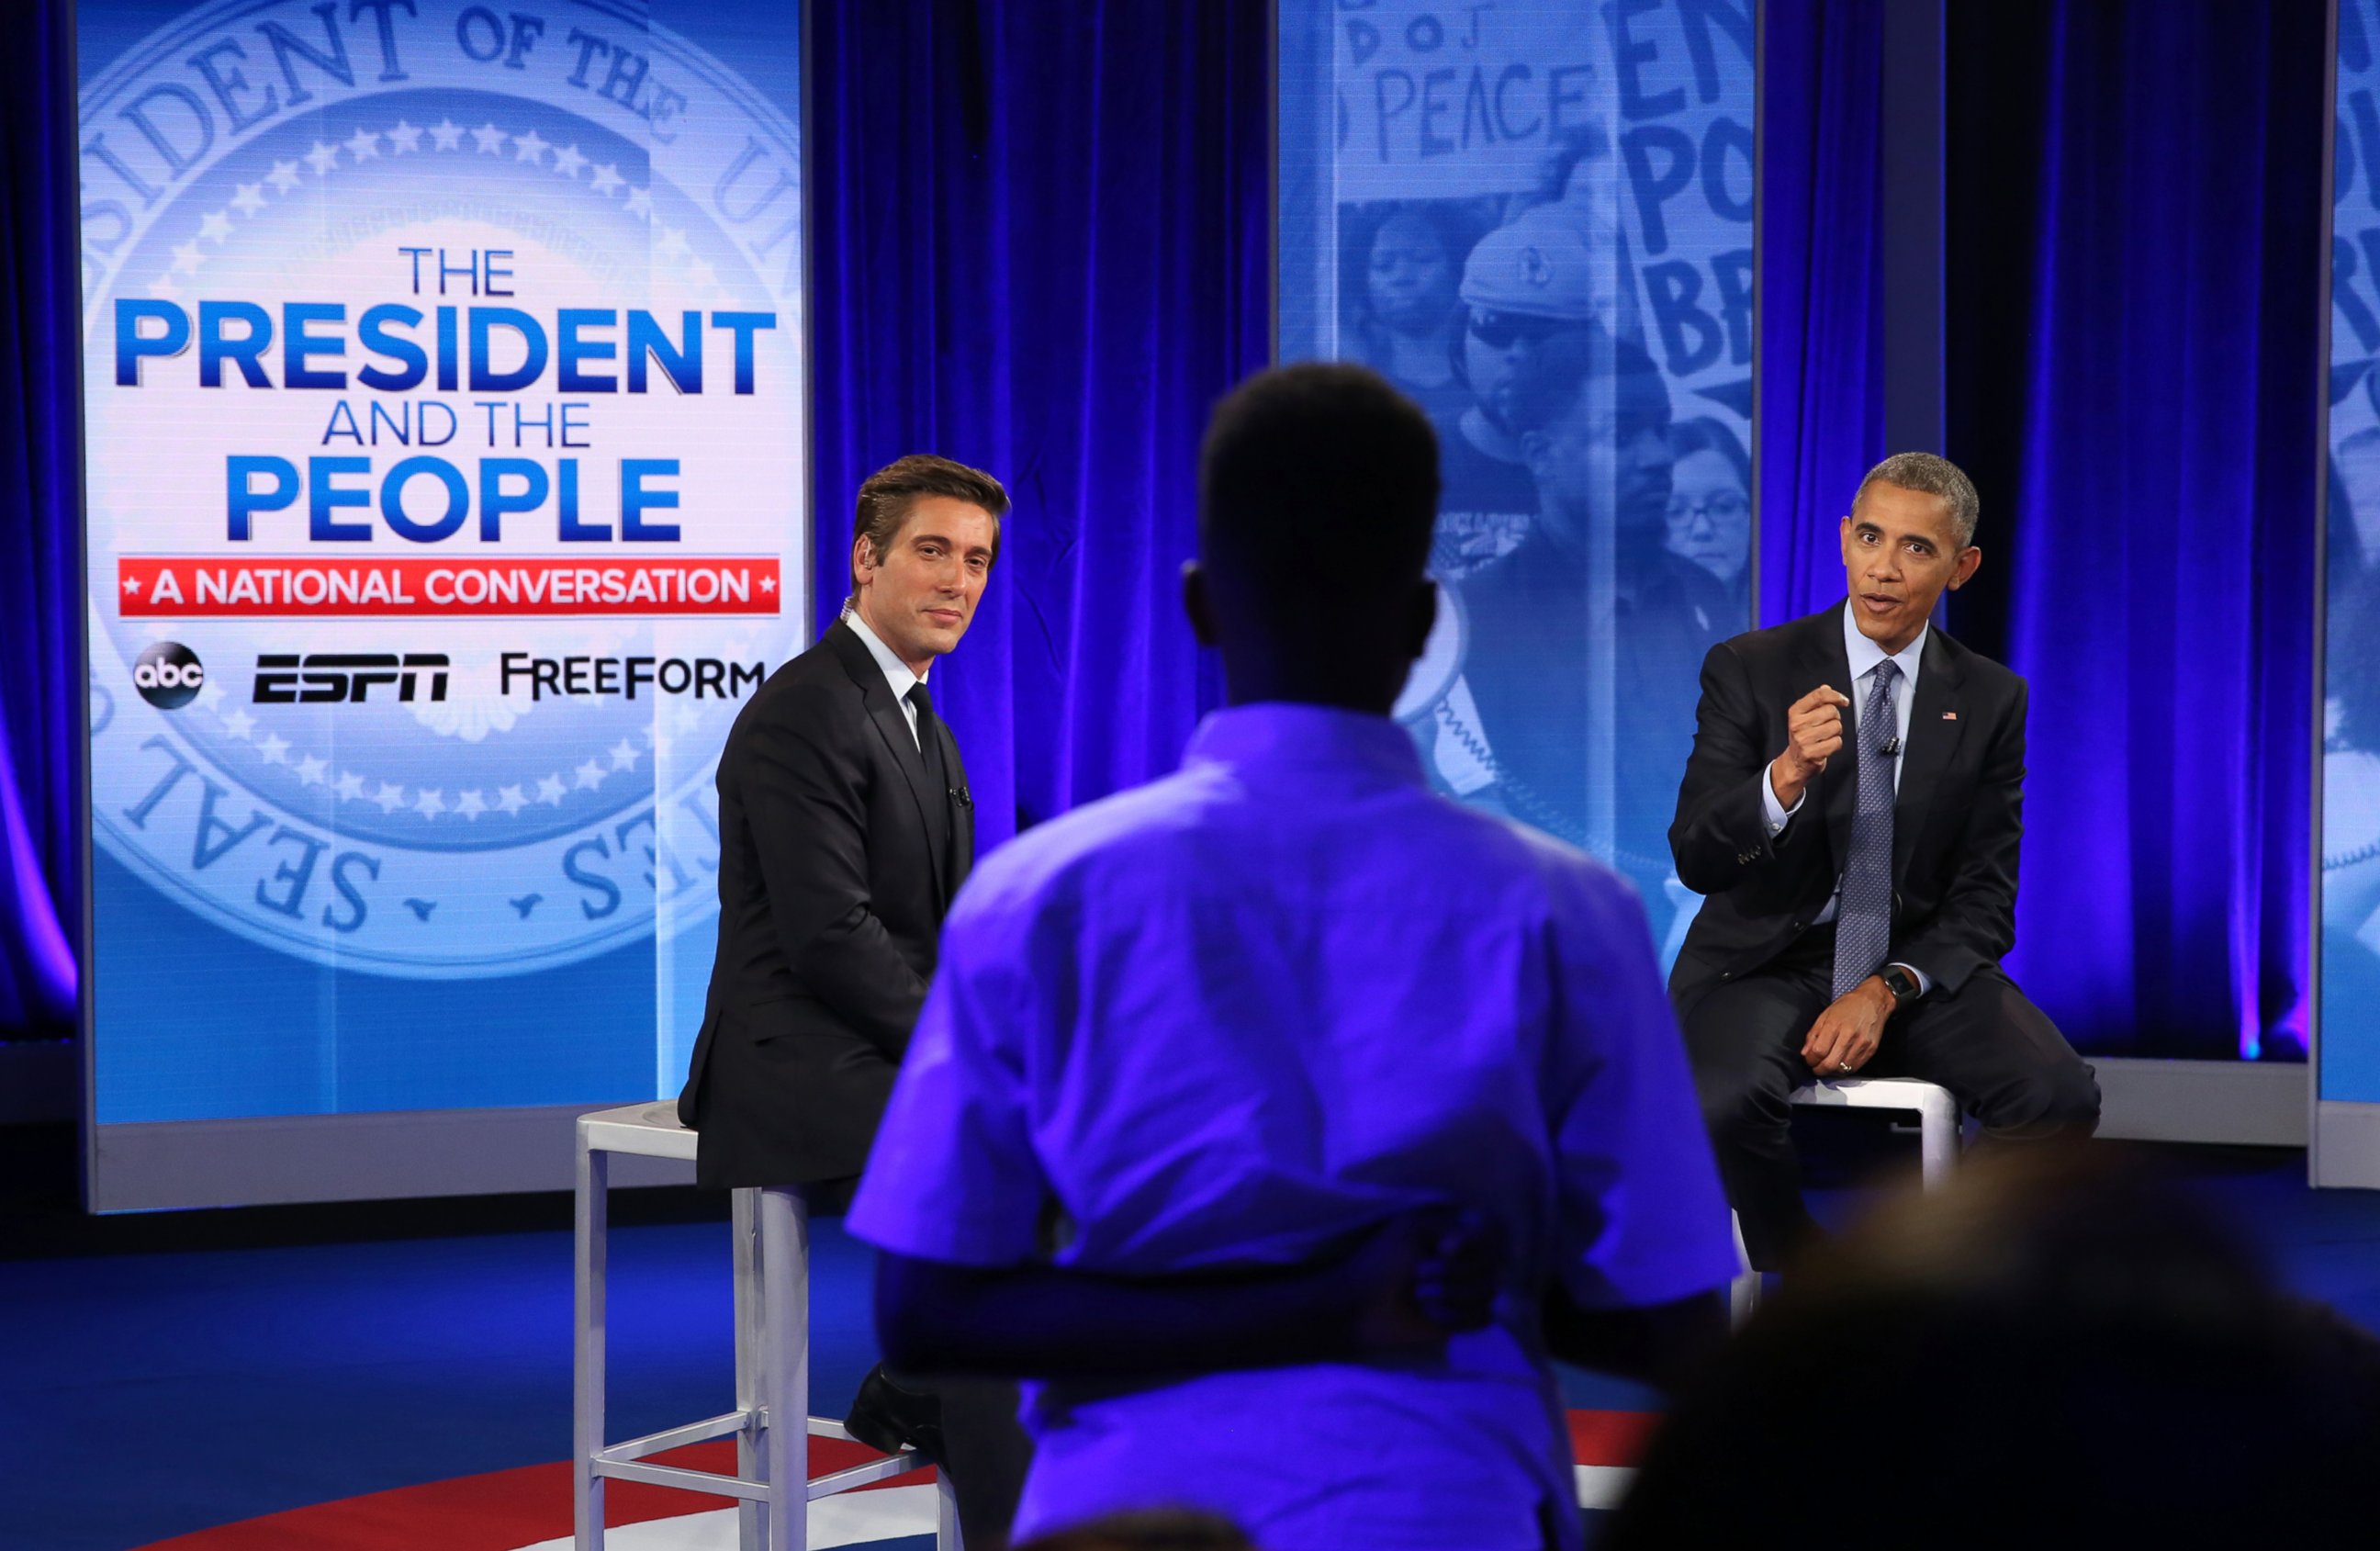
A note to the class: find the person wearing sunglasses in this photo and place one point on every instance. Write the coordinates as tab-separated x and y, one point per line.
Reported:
1524	285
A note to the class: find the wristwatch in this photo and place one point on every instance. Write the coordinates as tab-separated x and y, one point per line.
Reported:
1901	984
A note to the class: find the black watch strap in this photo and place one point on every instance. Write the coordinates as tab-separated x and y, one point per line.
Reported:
1901	984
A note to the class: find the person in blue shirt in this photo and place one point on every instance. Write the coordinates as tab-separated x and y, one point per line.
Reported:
1220	1028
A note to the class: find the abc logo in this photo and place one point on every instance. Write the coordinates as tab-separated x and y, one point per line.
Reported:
168	675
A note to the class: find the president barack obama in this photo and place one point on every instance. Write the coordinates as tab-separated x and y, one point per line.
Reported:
1852	810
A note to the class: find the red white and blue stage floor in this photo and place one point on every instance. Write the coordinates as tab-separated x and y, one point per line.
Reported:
529	1509
413	1393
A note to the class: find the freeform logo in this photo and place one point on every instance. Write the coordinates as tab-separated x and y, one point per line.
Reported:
703	677
326	678
168	675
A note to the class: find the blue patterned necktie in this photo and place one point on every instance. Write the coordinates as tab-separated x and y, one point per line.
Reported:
1864	914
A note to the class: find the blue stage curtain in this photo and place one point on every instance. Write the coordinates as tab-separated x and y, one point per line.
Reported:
2134	196
39	625
1821	318
1041	240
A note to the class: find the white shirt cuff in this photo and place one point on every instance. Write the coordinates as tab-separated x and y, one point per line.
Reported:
1925	981
1776	812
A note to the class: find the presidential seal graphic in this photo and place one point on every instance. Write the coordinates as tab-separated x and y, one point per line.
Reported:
442	400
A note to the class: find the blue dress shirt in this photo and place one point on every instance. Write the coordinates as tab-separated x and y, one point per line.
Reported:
1244	1013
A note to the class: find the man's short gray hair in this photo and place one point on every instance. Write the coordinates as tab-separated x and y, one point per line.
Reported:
1930	475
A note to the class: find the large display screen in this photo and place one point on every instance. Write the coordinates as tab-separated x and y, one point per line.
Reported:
443	447
1537	219
2349	1055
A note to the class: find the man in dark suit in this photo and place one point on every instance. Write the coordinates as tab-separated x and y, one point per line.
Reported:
845	826
1851	810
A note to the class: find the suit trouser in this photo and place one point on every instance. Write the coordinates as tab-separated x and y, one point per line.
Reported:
988	1447
1998	1055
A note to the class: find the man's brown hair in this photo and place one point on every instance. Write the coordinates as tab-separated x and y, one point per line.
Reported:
886	496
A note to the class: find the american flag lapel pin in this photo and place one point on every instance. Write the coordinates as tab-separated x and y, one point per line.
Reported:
1950	716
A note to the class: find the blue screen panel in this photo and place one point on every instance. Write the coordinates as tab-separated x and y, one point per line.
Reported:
2350	1054
1537	220
446	458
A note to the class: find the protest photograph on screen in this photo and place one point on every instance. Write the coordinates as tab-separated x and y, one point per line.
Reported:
444	448
1537	221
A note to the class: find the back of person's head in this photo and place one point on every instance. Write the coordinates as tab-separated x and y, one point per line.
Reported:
1159	1530
2056	1351
1317	488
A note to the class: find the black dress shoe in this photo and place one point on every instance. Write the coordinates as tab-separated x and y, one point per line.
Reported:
887	1417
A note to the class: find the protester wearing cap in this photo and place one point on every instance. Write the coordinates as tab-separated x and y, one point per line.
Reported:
1523	284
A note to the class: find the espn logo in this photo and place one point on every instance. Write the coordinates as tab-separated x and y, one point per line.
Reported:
326	678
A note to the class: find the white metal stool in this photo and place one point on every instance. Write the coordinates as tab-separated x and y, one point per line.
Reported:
772	1364
1937	1147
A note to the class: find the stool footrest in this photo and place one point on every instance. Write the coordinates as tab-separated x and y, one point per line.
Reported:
684	1480
862	1475
723	1426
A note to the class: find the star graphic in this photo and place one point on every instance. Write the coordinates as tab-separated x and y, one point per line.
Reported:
625	756
249	199
672	243
430	803
211	695
446	135
768	584
590	776
390	798
310	771
349	786
640	202
530	148
276	749
239	724
568	161
404	139
323	158
510	800
187	257
550	790
490	139
215	226
606	178
470	804
364	145
132	587
164	290
284	175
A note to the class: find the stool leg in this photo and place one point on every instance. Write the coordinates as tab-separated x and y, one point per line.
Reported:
1938	1142
1743	1293
592	1233
751	1523
946	1515
785	1360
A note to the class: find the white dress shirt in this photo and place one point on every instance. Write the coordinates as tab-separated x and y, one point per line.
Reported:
898	678
1866	657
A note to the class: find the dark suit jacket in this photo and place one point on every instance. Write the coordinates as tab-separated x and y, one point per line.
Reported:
838	858
1955	825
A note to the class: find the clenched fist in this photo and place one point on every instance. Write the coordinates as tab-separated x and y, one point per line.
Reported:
1813	733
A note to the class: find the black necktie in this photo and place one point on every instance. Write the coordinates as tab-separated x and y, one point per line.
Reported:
929	744
937	780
